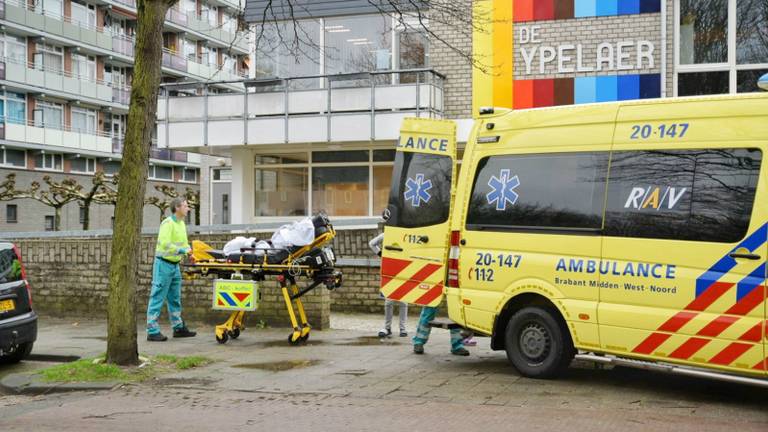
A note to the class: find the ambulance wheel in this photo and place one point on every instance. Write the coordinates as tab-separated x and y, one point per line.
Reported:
538	343
223	339
235	333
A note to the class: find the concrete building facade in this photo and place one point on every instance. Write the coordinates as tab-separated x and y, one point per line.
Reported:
65	82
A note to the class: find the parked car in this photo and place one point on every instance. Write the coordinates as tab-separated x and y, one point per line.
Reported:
18	322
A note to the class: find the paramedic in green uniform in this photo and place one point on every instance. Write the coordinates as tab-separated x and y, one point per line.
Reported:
172	247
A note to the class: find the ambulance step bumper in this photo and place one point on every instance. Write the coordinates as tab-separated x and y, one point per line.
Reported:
444	323
673	369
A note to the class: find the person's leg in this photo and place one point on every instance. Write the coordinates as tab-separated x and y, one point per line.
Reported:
161	281
389	306
457	343
403	318
174	299
423	329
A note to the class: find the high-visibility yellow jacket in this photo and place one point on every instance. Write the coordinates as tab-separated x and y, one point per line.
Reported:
172	239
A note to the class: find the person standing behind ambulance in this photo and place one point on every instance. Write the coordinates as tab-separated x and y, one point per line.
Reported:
389	305
171	247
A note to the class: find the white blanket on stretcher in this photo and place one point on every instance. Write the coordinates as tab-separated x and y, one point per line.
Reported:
299	233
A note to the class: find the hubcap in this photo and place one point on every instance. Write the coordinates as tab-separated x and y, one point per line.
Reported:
534	341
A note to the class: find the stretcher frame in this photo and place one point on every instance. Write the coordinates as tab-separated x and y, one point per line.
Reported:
204	264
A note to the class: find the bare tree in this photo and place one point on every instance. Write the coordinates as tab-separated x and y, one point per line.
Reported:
84	197
8	189
56	196
162	204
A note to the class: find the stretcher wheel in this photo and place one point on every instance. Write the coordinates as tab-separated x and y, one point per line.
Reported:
235	333
294	342
223	339
304	338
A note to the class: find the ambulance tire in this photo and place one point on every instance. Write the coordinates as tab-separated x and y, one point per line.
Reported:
537	344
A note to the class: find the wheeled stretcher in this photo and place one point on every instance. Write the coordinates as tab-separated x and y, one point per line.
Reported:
244	270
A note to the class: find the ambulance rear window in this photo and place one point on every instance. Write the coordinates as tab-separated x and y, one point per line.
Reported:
421	190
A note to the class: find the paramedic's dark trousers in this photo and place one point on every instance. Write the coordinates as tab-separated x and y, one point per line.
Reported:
166	287
423	330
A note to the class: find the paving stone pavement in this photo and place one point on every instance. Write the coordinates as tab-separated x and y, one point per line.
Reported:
349	378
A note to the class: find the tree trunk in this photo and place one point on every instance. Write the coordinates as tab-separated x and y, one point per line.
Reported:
86	214
122	347
57	218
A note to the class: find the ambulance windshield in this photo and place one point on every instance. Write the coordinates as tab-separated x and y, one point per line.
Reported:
421	190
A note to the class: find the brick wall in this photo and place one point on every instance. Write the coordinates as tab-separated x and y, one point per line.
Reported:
589	32
457	68
69	278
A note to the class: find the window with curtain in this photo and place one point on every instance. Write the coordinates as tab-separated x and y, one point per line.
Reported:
49	58
15	49
16	108
84	67
83	120
83	15
49	114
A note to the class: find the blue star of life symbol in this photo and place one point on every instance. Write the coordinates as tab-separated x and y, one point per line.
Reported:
503	190
416	190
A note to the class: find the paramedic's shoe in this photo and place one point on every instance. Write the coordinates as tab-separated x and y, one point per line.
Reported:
157	337
183	332
385	333
460	352
403	334
418	349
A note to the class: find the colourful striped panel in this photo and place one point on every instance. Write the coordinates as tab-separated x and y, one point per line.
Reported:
563	91
628	7
564	9
544	10
543	93
650	86
607	8
523	94
585	8
650	6
584	90
628	87
540	10
522	10
606	87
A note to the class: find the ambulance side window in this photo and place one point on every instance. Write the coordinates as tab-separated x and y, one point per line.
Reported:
421	190
540	192
698	195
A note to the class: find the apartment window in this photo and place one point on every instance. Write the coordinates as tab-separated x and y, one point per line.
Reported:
110	168
229	23
189	6
189	175
84	120
53	8
722	45
209	14
49	58
15	49
84	14
11	213
49	223
274	59
13	158
190	49
49	161
228	63
49	114
222	174
84	67
84	165
358	44
159	172
15	105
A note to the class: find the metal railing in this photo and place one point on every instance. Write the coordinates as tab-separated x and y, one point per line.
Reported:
173	60
40	66
154	152
417	78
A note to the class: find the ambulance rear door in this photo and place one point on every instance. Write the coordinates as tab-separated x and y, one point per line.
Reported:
416	233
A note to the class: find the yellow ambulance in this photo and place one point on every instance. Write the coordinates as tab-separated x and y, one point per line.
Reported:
631	233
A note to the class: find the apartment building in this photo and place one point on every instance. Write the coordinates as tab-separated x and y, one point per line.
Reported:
65	78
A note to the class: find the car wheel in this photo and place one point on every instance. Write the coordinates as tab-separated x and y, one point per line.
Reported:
19	354
538	346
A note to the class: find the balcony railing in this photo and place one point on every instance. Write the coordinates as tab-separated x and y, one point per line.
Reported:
154	152
58	135
174	61
123	44
131	3
176	16
54	78
334	108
